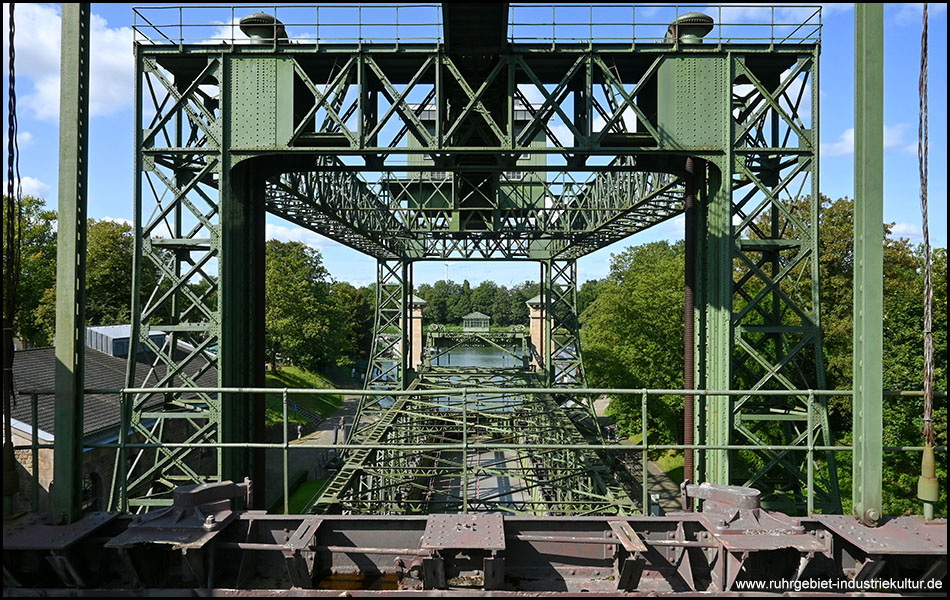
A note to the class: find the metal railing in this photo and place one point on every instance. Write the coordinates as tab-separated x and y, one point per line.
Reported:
306	24
547	24
632	24
467	395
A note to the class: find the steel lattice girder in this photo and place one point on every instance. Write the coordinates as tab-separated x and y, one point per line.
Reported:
758	135
180	237
557	482
761	257
587	211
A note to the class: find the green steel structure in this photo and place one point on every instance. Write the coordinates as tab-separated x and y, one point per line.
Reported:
441	341
477	143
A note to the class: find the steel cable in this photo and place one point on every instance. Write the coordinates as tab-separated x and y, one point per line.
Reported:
11	266
922	152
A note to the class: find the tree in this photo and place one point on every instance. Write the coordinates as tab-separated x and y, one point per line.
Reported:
483	298
632	334
298	314
109	252
903	348
355	322
587	294
633	338
37	237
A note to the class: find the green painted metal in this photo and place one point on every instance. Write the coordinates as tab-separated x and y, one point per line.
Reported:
422	153
71	261
241	305
441	341
868	259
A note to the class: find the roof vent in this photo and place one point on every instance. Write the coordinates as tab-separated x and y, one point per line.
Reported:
261	28
690	28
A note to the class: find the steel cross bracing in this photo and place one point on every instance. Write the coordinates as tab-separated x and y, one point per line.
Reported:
419	153
439	342
561	482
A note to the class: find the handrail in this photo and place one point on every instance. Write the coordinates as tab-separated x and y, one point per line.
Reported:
529	24
810	447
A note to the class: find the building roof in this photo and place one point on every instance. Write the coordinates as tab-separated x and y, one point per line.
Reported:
417	300
35	370
535	300
476	315
113	331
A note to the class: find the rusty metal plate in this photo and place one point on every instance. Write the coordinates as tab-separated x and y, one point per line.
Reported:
760	542
189	539
898	535
36	533
304	534
477	531
627	536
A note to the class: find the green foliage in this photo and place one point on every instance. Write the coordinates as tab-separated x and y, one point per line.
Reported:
298	314
587	294
354	322
448	302
109	252
301	496
295	377
37	239
903	349
632	334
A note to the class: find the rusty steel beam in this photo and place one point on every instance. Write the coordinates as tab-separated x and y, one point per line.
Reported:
200	546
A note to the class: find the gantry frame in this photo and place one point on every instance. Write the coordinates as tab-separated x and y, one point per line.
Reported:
225	133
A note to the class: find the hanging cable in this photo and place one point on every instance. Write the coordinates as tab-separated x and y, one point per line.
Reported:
11	271
922	152
927	488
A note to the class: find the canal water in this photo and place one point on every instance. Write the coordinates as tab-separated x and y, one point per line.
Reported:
478	356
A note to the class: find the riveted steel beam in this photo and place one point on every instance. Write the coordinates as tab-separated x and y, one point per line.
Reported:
868	260
71	258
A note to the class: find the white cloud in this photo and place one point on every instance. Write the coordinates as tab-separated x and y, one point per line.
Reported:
38	58
912	13
31	187
840	147
24	139
118	220
230	32
740	12
908	230
297	234
894	138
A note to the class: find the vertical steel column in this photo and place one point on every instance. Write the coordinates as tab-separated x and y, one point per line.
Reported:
241	355
71	262
689	320
718	308
868	259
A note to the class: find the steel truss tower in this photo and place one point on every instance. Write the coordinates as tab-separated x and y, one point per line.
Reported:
319	134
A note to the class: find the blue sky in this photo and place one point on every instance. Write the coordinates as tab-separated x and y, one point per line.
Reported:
111	135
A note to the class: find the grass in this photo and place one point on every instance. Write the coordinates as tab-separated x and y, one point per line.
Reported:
295	377
303	494
671	463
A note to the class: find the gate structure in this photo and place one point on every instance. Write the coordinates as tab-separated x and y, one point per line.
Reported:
487	142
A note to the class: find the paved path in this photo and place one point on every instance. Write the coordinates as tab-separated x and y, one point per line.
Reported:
310	461
658	482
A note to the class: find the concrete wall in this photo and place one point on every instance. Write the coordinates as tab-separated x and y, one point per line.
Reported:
536	320
418	340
